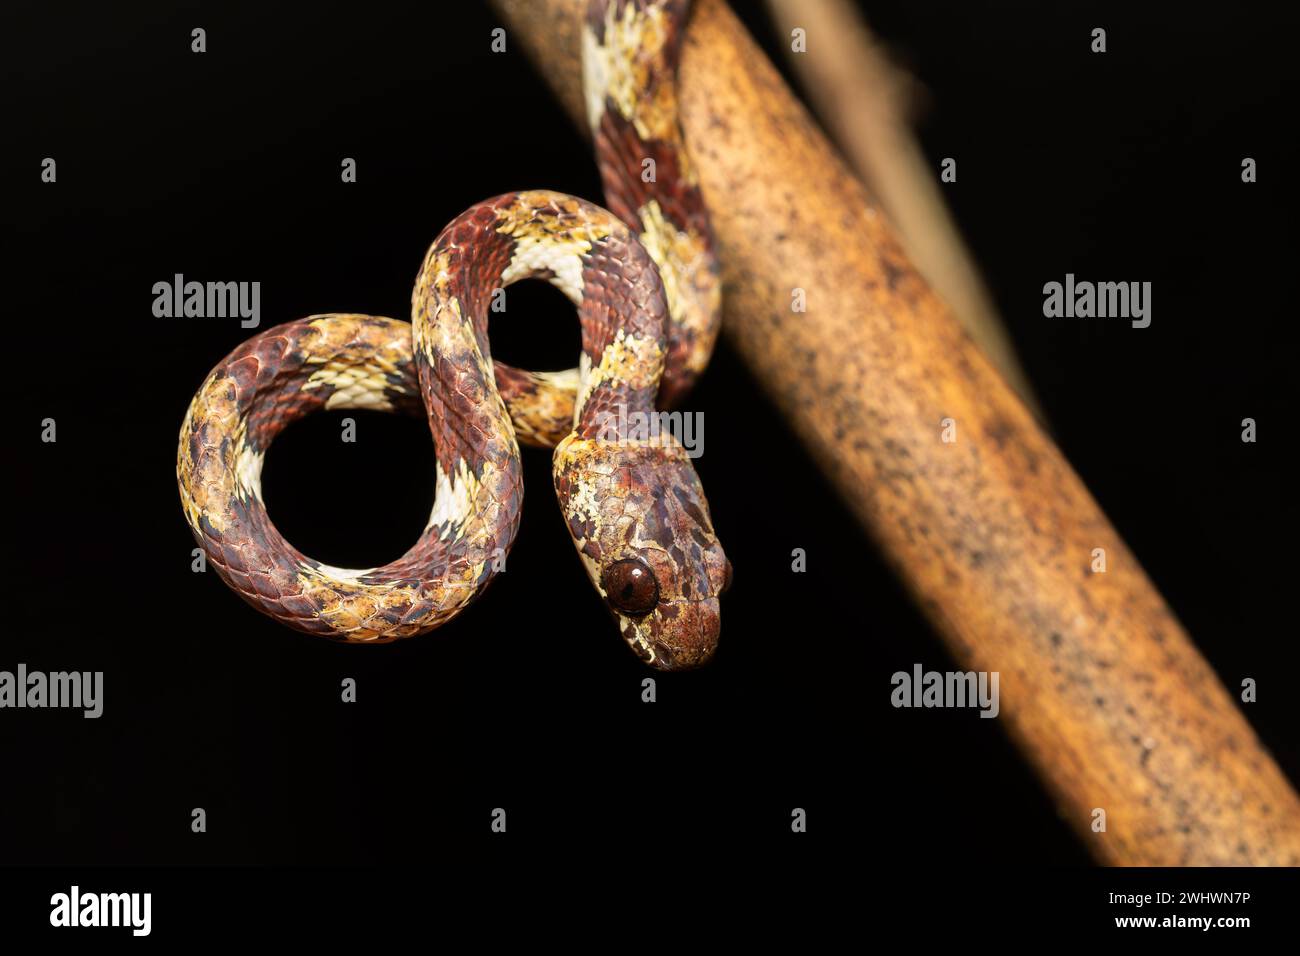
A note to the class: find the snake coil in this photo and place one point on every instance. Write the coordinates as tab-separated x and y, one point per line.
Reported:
645	283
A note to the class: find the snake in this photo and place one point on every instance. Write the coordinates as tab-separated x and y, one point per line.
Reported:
644	278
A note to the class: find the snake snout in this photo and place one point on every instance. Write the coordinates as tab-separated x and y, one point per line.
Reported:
687	635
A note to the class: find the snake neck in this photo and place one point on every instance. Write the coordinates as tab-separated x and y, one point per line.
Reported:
617	388
646	172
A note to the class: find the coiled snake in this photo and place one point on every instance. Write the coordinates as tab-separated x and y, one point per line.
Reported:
648	301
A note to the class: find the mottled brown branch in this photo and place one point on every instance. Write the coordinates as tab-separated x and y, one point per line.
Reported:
993	533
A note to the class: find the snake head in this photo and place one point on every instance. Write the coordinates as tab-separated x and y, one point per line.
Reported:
638	517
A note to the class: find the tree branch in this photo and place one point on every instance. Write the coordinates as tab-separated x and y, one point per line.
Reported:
994	533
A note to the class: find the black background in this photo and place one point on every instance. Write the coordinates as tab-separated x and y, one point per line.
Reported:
225	166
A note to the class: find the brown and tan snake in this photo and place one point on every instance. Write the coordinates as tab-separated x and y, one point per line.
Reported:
645	282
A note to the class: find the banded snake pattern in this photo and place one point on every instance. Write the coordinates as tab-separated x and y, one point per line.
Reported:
645	283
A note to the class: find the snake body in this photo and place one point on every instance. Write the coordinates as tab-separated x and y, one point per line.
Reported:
645	284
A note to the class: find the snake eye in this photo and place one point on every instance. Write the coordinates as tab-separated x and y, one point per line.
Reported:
630	586
726	579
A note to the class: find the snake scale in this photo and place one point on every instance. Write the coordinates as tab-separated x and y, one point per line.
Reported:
645	283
